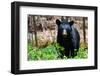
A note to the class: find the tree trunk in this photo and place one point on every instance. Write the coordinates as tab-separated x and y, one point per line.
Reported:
84	33
35	31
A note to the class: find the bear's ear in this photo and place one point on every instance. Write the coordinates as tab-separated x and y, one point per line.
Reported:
71	23
58	22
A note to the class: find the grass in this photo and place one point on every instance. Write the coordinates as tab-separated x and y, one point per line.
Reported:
52	52
82	53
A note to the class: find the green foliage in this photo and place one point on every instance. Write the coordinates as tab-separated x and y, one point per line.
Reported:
82	53
49	52
52	52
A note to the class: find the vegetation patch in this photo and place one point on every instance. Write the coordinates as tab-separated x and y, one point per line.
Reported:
52	52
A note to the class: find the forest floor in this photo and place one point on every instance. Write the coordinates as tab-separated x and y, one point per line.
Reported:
53	52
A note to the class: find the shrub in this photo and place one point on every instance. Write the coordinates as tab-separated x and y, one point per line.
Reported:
49	52
52	52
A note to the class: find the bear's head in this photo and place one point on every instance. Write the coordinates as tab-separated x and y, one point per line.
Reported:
64	28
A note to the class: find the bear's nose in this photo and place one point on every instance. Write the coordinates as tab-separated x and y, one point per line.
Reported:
64	32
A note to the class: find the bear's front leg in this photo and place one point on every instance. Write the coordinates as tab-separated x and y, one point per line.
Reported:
72	53
67	53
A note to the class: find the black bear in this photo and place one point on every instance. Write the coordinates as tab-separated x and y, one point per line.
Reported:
68	37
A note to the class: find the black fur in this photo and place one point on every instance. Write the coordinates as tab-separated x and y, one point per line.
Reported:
71	40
